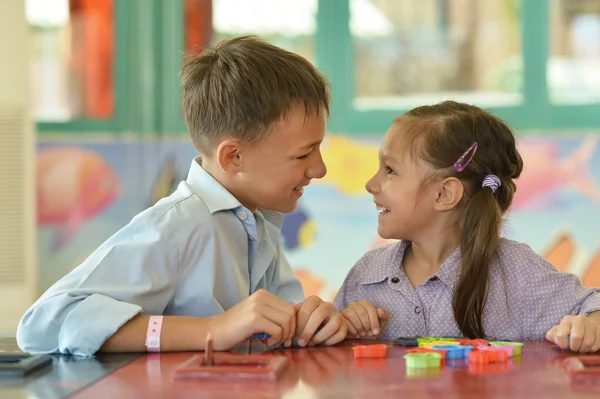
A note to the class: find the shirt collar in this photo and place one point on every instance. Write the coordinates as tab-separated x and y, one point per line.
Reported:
275	218
390	261
217	197
386	264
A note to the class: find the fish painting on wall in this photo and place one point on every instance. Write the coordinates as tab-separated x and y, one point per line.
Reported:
72	186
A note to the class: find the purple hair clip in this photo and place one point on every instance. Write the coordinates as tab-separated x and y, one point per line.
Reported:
458	166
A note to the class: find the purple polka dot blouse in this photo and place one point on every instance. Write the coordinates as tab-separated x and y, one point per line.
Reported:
527	295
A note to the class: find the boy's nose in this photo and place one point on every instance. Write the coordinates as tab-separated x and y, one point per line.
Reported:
318	170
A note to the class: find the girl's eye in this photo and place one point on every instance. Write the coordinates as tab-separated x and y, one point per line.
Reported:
303	156
389	171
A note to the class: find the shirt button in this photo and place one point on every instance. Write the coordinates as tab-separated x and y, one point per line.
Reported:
417	310
243	215
395	280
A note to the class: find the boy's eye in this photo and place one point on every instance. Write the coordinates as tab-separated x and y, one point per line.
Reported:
388	170
303	156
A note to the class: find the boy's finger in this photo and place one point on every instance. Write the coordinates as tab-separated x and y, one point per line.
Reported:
272	301
339	336
282	319
315	321
303	314
332	327
272	329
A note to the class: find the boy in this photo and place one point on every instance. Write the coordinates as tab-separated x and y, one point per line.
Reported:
209	257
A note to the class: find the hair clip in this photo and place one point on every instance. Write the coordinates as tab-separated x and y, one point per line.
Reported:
491	181
472	149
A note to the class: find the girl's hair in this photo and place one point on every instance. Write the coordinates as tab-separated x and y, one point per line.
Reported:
440	134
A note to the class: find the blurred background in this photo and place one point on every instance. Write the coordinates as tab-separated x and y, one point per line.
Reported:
91	131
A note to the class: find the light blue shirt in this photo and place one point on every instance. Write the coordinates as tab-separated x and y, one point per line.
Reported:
196	253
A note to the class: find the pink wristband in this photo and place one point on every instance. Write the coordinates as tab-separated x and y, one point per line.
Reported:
153	334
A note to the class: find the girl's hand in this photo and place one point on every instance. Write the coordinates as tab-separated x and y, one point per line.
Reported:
577	333
364	320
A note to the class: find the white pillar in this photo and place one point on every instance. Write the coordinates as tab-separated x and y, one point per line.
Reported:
17	169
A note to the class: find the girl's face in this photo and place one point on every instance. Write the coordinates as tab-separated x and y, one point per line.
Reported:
399	191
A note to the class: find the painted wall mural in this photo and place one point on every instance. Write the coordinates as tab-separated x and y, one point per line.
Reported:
88	190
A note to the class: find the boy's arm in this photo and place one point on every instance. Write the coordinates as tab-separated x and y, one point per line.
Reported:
261	312
179	333
134	271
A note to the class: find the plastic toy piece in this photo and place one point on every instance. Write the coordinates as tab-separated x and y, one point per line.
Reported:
232	366
431	339
583	369
509	349
425	340
407	341
262	337
432	372
423	360
454	351
370	351
429	345
490	339
517	346
208	352
474	342
426	350
487	357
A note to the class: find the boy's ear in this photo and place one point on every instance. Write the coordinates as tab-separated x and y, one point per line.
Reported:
229	156
450	192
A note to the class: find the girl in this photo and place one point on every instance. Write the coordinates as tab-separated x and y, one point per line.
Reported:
445	180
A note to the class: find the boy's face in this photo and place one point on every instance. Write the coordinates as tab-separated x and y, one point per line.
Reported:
276	170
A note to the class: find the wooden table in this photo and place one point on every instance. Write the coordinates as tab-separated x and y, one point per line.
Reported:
332	372
67	375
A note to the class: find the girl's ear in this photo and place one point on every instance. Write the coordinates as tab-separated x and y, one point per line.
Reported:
450	192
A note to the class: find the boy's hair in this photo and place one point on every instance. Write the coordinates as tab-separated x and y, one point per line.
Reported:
243	85
440	134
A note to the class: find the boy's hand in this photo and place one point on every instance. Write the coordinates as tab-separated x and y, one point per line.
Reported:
364	319
260	312
314	314
584	332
